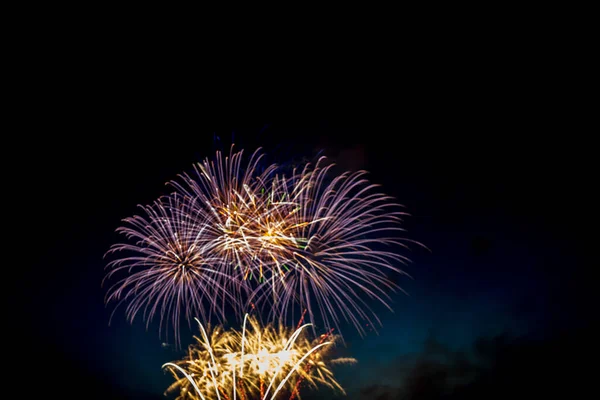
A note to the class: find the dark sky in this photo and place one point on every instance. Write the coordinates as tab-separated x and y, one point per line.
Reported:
498	189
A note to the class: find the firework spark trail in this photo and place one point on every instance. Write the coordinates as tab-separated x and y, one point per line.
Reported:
272	355
296	390
166	272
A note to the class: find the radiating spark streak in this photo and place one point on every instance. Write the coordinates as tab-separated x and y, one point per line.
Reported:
243	343
187	376
293	370
212	356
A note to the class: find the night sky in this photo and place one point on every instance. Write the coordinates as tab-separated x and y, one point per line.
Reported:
500	305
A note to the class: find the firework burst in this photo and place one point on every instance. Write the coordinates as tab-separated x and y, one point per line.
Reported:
343	242
256	363
166	271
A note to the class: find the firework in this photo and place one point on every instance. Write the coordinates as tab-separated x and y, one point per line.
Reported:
239	233
256	363
342	245
165	270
